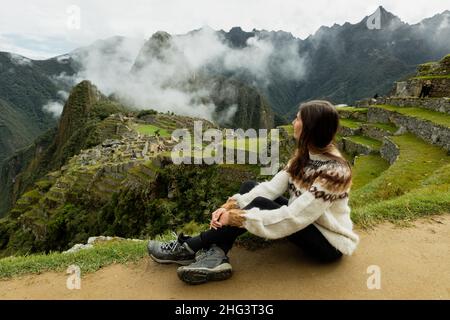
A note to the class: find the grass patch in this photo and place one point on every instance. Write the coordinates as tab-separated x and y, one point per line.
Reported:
366	168
385	126
89	260
352	109
445	76
420	202
103	254
150	129
440	176
372	143
420	113
416	162
350	123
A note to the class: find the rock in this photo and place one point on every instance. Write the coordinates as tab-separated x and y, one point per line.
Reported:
78	247
111	143
401	130
352	147
389	150
93	240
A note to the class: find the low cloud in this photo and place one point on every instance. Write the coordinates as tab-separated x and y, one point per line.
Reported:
54	107
19	60
164	72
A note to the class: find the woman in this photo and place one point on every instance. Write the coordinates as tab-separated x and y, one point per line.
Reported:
316	217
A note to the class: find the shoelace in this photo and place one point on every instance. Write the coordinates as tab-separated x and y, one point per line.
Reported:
205	254
171	245
200	254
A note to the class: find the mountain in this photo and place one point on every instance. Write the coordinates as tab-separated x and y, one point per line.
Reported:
248	108
343	63
77	129
25	87
350	61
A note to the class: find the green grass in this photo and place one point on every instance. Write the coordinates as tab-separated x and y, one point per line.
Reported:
438	177
171	125
353	109
385	126
102	254
151	129
445	76
350	123
428	63
366	168
372	143
425	201
418	164
88	260
420	113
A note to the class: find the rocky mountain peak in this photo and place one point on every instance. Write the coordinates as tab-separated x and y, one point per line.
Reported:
77	108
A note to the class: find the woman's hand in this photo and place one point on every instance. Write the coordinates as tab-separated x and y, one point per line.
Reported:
232	217
216	217
230	204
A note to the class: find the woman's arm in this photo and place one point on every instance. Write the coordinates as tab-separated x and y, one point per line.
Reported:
281	222
268	189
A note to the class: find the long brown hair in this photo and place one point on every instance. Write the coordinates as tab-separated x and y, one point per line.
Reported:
320	124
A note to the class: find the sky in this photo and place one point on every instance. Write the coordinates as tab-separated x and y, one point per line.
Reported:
41	29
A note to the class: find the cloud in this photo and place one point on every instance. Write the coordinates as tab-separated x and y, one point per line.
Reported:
165	73
48	19
19	60
54	107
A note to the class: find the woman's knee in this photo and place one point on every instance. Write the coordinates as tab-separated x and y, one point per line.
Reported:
262	203
246	186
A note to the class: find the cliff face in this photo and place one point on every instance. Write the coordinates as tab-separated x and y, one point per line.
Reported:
77	111
155	48
239	104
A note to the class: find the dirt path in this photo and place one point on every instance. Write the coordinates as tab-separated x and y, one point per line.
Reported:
414	264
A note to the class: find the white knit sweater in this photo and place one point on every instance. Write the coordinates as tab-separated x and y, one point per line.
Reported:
320	198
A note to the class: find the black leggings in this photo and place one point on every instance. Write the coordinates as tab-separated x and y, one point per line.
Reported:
310	239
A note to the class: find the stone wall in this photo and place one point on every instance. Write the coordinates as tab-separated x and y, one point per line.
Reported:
374	132
435	104
389	150
346	131
354	148
357	115
428	131
413	86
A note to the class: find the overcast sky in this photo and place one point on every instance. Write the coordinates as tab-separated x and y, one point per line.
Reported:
45	28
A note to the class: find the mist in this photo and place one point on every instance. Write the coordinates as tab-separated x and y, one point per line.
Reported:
157	74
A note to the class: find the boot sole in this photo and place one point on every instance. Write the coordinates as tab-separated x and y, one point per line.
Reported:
180	262
202	275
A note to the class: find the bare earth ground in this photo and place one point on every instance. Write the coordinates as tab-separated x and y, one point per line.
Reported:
414	264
